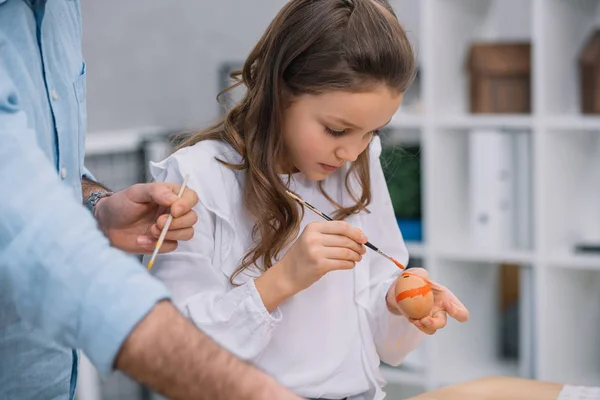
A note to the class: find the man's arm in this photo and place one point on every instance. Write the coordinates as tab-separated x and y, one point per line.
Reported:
58	267
167	353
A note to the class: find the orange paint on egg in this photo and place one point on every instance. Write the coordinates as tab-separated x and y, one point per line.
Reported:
414	295
410	293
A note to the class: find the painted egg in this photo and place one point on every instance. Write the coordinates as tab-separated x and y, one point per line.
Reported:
414	295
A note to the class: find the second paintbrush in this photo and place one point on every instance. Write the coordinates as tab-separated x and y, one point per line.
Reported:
328	218
163	233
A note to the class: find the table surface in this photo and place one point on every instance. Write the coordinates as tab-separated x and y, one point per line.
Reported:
496	388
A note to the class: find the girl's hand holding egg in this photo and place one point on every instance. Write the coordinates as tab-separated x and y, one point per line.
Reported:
424	302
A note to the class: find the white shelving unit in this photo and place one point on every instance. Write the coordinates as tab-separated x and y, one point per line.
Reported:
559	288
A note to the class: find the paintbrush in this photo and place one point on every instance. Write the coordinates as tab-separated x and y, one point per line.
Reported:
328	218
167	224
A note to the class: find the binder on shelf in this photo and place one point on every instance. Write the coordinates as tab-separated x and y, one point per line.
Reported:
491	181
499	189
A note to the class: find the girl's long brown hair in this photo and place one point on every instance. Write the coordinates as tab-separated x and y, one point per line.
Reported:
311	47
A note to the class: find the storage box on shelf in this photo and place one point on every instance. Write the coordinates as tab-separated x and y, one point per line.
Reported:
500	78
589	75
565	27
451	27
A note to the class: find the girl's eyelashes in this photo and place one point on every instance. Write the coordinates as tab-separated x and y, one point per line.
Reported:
341	133
334	133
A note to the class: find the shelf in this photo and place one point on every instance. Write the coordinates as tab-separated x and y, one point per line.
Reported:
468	121
569	348
567	124
493	257
571	260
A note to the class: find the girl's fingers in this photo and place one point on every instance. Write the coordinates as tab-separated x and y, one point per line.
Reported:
341	253
342	241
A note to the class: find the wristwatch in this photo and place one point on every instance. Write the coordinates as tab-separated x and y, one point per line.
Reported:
94	198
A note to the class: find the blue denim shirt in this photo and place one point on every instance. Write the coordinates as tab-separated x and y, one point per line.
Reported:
62	287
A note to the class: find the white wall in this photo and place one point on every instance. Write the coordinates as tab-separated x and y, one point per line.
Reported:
156	63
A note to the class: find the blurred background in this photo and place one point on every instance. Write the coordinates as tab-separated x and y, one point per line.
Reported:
492	162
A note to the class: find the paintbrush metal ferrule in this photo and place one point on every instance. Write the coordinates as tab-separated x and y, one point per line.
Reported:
385	255
380	252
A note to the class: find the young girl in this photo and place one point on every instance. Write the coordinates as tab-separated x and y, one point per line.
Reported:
298	296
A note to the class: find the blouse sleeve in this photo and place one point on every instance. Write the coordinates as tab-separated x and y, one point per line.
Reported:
234	316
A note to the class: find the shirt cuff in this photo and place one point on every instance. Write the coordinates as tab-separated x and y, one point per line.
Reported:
262	314
85	173
107	326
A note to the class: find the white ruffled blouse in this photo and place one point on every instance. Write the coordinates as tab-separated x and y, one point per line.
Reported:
326	341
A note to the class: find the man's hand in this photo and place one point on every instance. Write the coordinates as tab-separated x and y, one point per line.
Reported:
133	218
